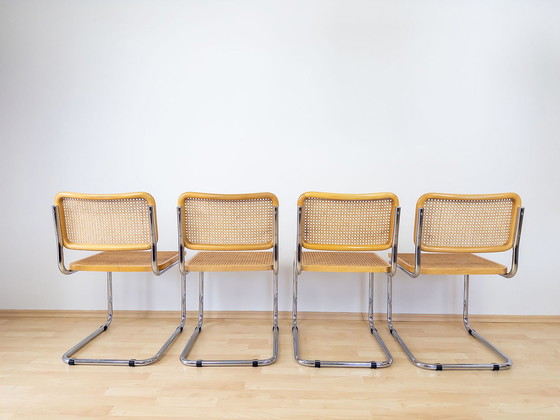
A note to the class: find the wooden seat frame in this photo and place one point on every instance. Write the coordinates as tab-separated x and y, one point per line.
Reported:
511	243
390	270
64	242
233	248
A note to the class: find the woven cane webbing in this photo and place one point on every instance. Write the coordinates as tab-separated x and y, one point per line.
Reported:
353	262
452	264
230	261
473	224
228	224
347	223
124	261
110	223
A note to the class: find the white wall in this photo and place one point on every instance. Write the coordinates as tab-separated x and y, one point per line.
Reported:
286	96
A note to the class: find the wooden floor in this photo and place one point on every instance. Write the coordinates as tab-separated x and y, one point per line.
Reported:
34	383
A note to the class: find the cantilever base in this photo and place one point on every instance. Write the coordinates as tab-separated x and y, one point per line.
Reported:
68	359
198	330
506	361
333	363
506	364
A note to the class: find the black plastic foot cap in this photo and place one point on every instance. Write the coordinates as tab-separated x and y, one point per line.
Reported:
255	363
439	367
199	363
317	363
131	363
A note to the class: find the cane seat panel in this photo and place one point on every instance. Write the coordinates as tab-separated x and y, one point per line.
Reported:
340	261
125	261
451	264
230	261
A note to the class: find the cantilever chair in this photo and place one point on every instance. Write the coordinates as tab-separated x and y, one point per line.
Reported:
449	230
123	227
232	232
341	231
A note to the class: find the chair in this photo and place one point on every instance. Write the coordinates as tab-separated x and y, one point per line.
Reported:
123	227
341	230
232	232
449	229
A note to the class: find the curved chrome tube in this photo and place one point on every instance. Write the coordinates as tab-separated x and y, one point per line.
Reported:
181	242
395	248
68	359
515	250
275	246
417	243
339	363
60	247
506	364
153	238
299	240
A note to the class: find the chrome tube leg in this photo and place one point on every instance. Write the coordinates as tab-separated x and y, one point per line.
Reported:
336	363
275	300
392	328
198	329
507	363
390	303
200	299
466	303
177	331
373	330
370	301
275	329
294	315
449	366
67	357
109	298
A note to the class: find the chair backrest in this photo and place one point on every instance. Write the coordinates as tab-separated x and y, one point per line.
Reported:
105	222
228	222
347	222
468	223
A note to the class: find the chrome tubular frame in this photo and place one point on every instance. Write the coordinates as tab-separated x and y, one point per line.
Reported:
59	246
515	251
417	242
67	357
295	330
507	362
198	328
153	238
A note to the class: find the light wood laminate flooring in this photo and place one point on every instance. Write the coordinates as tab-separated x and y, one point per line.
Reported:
36	384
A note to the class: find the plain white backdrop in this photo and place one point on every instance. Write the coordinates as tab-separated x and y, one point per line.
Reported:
249	95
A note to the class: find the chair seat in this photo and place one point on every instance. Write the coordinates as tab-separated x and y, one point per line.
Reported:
351	262
452	264
230	261
125	261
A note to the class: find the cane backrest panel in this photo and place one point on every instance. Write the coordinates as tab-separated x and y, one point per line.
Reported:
105	222
344	222
228	221
468	223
